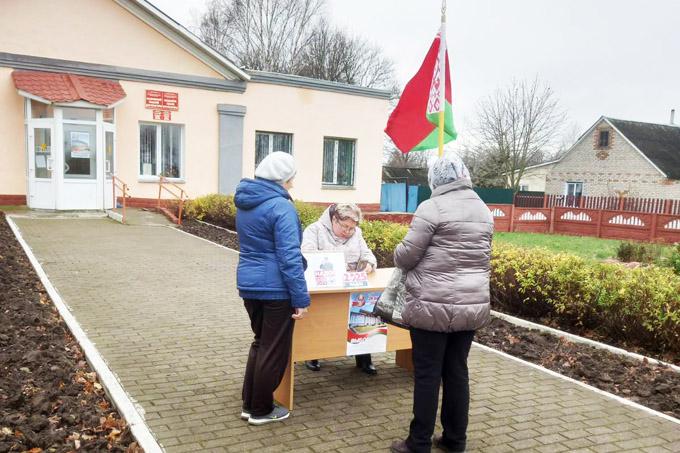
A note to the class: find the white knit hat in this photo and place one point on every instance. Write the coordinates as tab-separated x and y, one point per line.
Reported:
277	166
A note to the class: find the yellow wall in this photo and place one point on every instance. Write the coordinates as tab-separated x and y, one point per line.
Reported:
307	114
113	36
12	138
103	32
310	115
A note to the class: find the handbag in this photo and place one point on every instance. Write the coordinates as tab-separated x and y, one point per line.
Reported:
390	304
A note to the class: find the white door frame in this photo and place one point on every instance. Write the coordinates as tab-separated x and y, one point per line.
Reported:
62	193
42	192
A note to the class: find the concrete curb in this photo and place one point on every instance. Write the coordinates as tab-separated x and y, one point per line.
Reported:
216	226
574	381
578	339
113	388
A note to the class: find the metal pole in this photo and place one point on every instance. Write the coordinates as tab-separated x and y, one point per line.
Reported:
442	78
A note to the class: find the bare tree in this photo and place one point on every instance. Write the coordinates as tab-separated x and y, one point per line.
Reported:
517	125
267	35
290	36
393	157
332	54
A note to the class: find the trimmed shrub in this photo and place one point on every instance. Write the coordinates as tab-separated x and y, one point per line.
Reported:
674	259
638	307
308	213
382	238
640	252
214	208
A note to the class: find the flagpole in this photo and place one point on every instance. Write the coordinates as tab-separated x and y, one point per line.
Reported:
442	78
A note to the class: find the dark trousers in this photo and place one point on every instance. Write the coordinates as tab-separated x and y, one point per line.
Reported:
269	353
440	358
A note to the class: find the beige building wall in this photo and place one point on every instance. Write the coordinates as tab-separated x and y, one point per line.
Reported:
535	178
309	115
113	36
13	171
624	168
103	32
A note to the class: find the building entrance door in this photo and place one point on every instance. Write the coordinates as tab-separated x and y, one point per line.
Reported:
41	159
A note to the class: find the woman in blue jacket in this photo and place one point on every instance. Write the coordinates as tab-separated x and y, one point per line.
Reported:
270	279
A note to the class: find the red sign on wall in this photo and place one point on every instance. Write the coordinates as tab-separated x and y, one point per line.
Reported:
162	100
163	115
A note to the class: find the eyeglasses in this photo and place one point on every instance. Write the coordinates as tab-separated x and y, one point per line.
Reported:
345	227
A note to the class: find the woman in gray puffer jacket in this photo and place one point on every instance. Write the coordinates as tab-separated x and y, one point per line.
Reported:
445	256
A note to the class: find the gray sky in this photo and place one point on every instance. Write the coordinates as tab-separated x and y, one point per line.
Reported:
619	58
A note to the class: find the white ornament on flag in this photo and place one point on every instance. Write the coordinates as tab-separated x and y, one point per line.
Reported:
434	104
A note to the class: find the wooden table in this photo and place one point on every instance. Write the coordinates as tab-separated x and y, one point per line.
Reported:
322	333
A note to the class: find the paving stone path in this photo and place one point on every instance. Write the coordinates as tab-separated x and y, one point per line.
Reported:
162	309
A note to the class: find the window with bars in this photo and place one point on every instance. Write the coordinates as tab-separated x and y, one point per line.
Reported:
338	161
268	142
160	150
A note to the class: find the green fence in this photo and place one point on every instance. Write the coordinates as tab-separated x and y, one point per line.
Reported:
495	196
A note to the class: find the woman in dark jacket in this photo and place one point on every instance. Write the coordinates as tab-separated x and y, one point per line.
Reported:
270	279
445	256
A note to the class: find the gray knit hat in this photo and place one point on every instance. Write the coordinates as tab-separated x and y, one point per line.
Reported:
277	166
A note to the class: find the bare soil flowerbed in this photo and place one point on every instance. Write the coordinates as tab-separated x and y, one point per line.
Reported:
654	386
50	399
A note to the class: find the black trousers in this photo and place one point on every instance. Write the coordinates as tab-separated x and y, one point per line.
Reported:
269	352
440	358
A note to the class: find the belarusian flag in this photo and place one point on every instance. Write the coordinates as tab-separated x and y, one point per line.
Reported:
413	123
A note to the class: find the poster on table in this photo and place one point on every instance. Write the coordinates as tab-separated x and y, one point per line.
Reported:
325	270
366	333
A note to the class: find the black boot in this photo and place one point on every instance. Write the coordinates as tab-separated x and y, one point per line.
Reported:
365	363
313	365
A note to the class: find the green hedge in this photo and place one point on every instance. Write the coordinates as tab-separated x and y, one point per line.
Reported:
636	307
214	208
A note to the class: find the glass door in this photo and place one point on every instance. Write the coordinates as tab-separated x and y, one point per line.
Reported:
109	165
40	166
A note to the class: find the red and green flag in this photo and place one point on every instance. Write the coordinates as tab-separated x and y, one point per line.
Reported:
414	123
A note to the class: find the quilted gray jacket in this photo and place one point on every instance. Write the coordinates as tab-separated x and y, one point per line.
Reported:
445	255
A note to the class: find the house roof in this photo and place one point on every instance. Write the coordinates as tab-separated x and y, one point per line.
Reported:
414	176
63	87
660	143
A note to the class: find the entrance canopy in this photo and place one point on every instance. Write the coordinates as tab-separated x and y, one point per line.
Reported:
64	88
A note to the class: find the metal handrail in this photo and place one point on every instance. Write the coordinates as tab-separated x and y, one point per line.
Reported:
182	196
125	191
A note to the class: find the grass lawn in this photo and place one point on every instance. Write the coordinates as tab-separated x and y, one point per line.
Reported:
583	246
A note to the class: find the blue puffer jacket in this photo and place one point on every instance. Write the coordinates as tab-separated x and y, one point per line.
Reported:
271	265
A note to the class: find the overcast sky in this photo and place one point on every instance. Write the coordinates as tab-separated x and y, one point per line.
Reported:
619	58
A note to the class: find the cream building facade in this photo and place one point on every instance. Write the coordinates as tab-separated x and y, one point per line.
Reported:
534	177
186	112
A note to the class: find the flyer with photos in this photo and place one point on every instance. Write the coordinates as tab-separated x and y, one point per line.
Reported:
325	269
366	333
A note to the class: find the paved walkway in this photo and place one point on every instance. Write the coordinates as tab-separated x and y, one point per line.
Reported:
163	311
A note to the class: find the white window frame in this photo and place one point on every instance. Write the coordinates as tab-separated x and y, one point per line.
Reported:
271	142
524	187
574	183
336	146
159	152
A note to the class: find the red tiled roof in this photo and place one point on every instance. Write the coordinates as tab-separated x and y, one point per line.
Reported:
57	87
